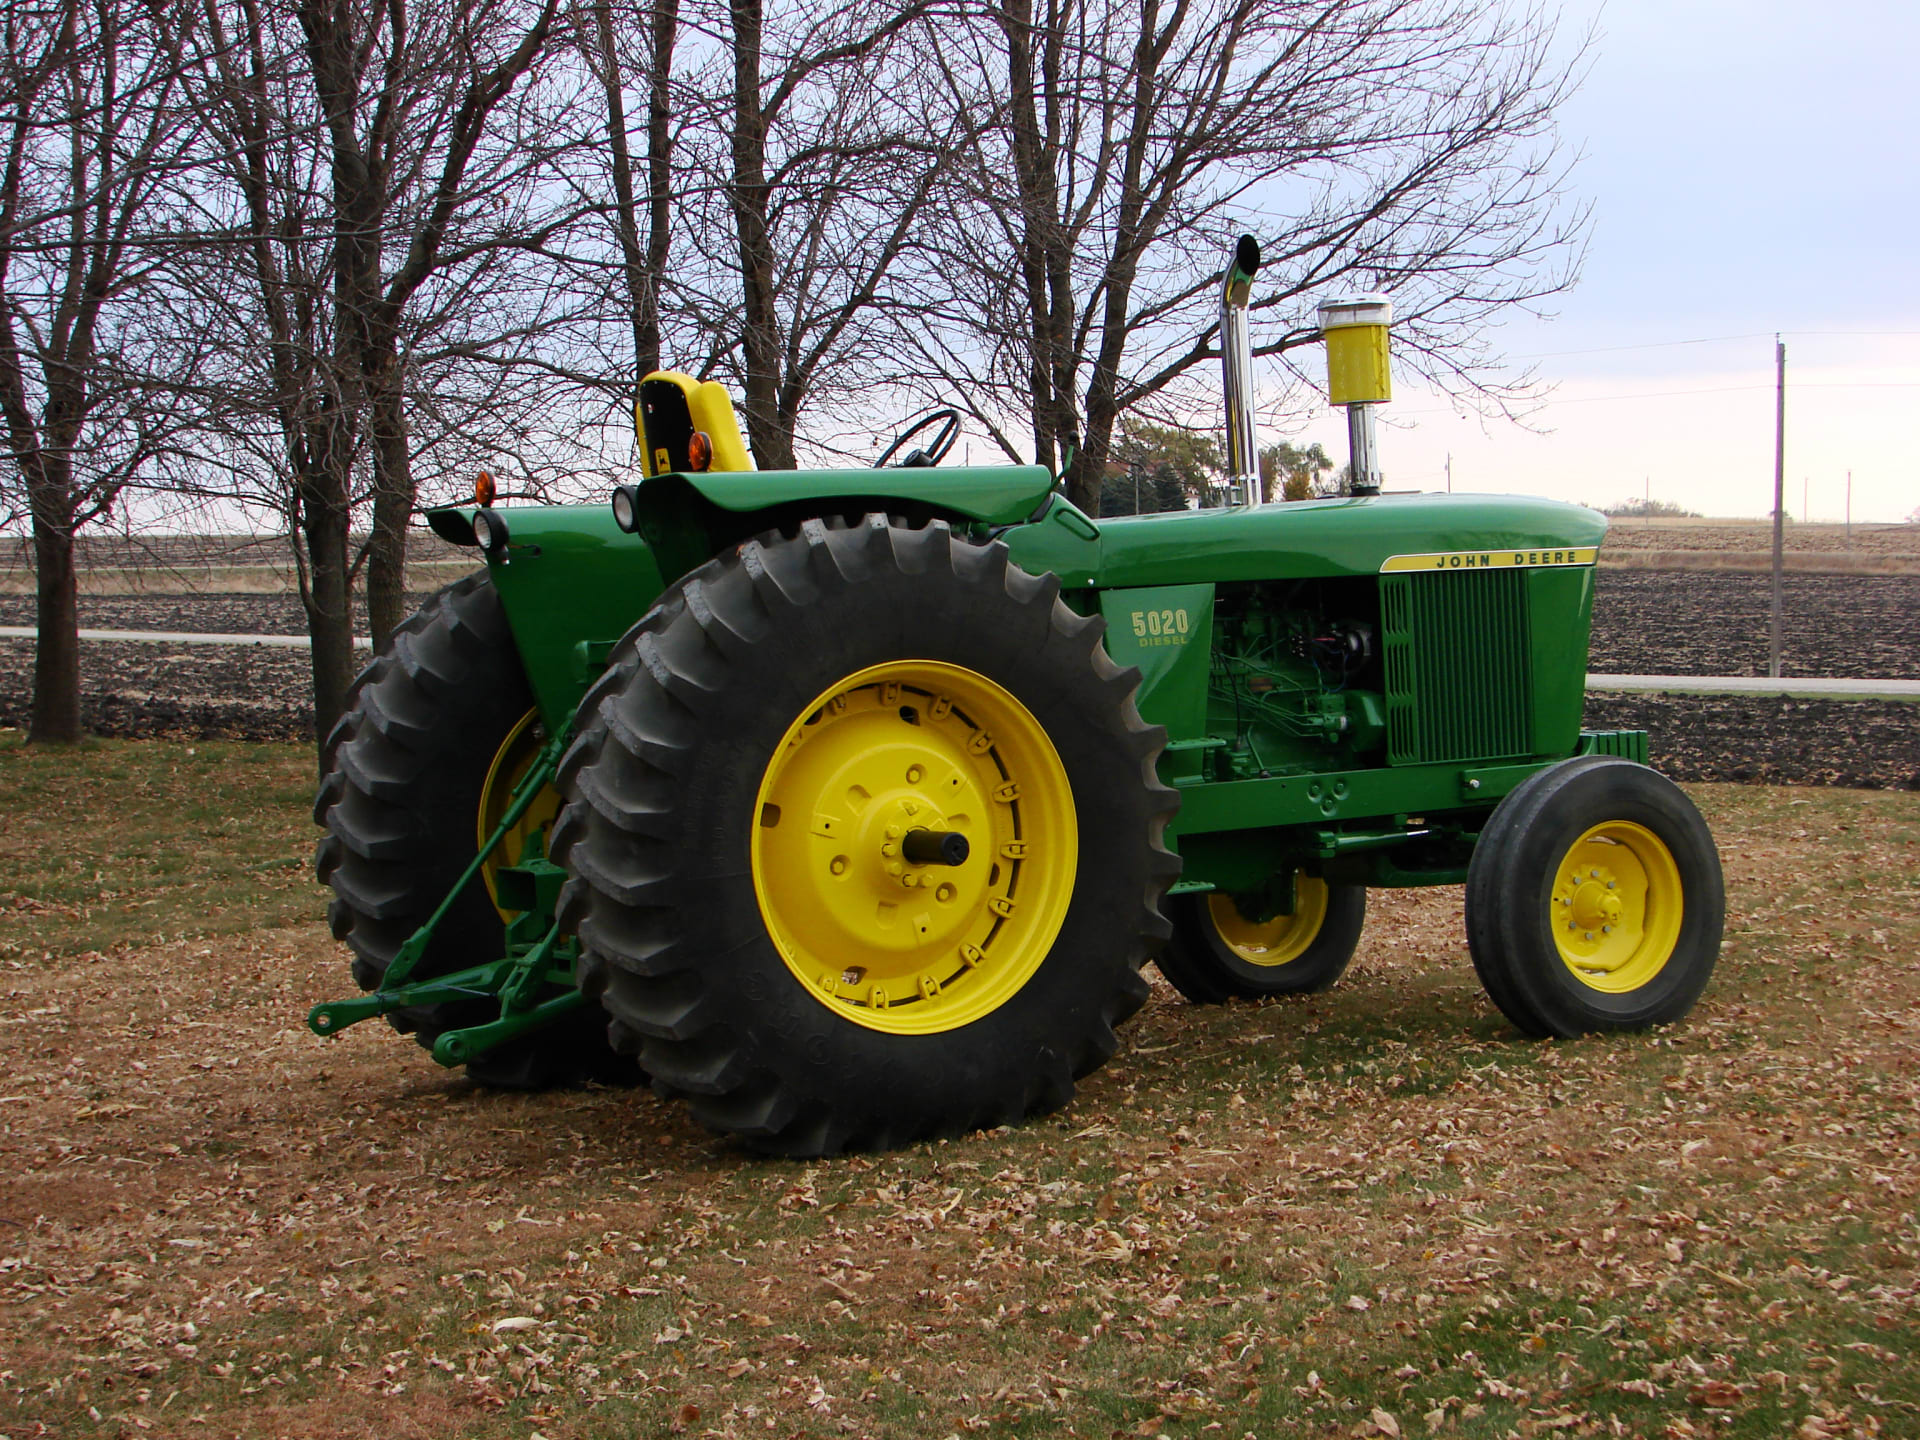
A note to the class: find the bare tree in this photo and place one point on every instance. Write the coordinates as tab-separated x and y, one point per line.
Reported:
809	142
265	262
94	124
643	266
373	234
1395	144
406	101
791	150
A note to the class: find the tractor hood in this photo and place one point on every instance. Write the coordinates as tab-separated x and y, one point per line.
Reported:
1304	538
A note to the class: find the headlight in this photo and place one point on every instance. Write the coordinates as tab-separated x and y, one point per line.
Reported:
624	513
490	531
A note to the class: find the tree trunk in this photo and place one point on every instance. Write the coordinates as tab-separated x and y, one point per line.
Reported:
392	503
641	306
646	268
1103	407
772	441
659	177
1088	471
328	598
1046	259
56	656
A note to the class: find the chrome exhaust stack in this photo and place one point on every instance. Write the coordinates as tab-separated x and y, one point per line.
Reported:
1236	373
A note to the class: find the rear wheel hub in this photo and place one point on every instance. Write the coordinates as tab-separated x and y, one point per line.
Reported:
887	766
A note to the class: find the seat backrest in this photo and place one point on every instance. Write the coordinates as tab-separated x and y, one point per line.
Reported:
670	408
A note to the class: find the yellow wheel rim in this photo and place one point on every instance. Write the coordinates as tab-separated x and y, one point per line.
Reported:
895	945
1278	941
511	761
1616	907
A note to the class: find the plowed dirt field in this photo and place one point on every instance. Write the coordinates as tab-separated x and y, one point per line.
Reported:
1662	622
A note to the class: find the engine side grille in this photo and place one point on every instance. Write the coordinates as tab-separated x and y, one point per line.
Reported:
1456	655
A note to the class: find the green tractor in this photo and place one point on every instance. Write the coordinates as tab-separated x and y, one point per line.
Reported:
848	805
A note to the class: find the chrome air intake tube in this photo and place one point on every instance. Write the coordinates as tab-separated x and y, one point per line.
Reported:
1236	373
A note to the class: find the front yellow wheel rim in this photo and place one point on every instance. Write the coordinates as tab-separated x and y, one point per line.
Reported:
510	762
1616	907
914	949
1278	941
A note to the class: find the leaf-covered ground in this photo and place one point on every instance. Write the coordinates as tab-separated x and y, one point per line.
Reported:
1372	1212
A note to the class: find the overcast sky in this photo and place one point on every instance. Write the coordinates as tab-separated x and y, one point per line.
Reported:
1753	167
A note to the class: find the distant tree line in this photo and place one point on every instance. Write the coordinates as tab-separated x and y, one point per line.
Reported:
1650	510
1156	468
323	259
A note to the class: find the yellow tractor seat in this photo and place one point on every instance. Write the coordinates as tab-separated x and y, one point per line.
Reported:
672	406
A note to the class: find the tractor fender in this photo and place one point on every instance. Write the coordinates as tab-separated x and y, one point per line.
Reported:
686	519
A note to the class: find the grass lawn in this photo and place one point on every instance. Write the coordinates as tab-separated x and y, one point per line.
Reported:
1372	1212
115	843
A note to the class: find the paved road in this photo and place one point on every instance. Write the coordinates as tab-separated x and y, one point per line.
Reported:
184	637
1796	688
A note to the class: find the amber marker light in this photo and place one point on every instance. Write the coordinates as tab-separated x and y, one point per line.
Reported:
484	490
699	451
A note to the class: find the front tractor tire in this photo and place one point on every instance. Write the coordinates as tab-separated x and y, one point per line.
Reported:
865	839
1218	954
437	729
1595	900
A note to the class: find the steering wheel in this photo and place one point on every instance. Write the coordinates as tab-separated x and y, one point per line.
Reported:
933	453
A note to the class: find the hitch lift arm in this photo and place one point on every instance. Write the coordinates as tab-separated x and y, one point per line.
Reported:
538	959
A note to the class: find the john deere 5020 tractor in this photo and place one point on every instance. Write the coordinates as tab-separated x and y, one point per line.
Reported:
848	805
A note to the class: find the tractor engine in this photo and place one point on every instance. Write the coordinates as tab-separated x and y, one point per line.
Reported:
1295	683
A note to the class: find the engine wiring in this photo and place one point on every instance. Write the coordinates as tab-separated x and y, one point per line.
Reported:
1283	660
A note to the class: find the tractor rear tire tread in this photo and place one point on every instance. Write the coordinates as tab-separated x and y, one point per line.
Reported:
404	768
662	917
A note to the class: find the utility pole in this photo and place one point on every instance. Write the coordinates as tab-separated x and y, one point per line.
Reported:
1779	494
1849	509
1646	498
1449	472
1806	483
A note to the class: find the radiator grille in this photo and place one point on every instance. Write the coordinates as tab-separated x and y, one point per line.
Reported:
1456	654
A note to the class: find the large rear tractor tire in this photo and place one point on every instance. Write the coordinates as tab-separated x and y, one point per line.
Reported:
1595	900
1218	954
437	729
865	838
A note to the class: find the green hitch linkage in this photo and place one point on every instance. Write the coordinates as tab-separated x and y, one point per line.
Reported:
457	1047
519	986
482	982
538	774
514	982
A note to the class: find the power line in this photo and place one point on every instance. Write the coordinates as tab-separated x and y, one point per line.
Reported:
1552	400
1646	345
1731	389
1707	340
1657	394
